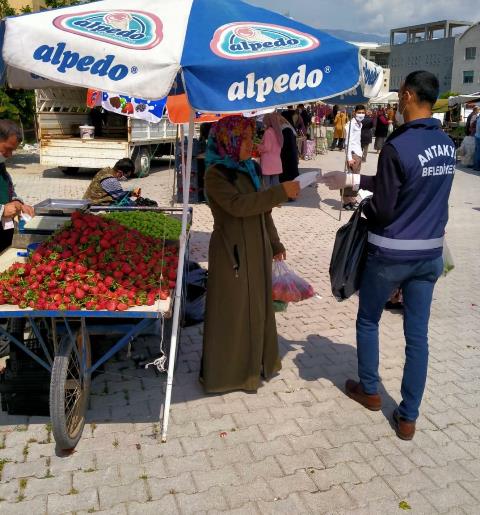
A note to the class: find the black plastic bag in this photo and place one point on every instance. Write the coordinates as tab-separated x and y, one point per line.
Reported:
349	255
196	294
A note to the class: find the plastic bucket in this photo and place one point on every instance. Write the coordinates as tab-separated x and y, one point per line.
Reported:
87	131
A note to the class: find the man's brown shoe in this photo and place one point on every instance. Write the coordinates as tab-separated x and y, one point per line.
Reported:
405	429
355	391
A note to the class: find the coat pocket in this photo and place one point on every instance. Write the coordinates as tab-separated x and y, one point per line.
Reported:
232	252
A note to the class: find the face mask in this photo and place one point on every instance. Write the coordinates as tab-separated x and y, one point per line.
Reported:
360	117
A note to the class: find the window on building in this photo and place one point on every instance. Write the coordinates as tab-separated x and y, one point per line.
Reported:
468	77
471	53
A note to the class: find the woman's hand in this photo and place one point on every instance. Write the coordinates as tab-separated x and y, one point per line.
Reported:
281	256
137	192
292	189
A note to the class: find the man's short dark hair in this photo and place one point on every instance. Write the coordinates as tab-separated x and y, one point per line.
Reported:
8	129
359	107
425	85
126	166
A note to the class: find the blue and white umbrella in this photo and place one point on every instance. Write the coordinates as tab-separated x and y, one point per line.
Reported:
226	55
229	55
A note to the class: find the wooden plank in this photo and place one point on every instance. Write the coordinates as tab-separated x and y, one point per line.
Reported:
87	152
80	162
84	143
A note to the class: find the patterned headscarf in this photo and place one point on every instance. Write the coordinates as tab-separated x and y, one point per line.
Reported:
224	143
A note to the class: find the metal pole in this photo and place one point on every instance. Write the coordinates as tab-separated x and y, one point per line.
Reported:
345	169
178	288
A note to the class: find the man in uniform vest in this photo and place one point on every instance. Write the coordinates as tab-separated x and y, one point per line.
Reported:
407	216
105	188
10	204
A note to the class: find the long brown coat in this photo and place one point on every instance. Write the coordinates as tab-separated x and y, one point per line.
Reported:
240	336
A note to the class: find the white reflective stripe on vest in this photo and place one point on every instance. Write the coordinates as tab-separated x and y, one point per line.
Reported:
389	243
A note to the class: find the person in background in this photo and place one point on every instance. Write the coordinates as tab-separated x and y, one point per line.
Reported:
289	153
471	118
466	152
381	130
105	188
306	117
353	132
270	149
476	160
367	134
240	343
11	205
339	133
406	217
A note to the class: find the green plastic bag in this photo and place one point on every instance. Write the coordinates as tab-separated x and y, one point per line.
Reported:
448	264
279	306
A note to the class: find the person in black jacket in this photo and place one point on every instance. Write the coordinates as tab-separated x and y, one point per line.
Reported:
367	134
289	153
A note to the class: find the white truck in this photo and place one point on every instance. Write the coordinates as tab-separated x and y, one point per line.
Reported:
61	111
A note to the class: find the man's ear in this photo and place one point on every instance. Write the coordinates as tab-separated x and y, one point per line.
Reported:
410	96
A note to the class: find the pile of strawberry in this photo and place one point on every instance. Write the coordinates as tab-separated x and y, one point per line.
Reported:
93	264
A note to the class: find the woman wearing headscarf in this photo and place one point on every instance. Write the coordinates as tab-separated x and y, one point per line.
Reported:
240	337
270	149
289	153
340	122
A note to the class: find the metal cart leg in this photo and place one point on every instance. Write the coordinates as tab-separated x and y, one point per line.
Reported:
70	386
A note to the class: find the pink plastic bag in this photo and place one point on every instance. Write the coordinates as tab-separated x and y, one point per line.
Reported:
287	286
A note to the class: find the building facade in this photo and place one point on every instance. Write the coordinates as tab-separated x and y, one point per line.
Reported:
429	47
466	62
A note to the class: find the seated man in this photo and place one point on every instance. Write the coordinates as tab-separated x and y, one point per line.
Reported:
105	188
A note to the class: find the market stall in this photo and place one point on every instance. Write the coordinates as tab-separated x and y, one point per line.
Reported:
202	48
117	266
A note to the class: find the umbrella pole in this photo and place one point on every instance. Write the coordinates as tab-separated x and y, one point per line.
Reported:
180	271
344	170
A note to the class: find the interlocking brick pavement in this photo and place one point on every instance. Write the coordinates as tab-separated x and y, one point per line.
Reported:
299	445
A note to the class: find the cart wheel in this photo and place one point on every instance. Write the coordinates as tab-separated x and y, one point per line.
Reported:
69	391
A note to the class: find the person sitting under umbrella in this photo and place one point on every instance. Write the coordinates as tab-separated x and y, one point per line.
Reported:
105	188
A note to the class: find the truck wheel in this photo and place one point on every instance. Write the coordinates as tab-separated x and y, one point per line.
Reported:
70	170
142	162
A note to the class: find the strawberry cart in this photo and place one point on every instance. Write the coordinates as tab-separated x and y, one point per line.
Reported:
56	300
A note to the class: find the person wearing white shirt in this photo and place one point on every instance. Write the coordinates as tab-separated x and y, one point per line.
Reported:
353	132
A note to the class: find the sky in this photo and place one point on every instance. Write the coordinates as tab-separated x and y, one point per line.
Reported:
373	16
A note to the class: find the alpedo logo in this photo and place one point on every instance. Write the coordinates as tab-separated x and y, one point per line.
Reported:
130	29
249	40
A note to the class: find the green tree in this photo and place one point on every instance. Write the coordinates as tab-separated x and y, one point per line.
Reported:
19	104
448	94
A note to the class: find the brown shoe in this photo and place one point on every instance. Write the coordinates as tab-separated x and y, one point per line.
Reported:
405	429
355	391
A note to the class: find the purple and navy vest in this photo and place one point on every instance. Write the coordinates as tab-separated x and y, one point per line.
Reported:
427	156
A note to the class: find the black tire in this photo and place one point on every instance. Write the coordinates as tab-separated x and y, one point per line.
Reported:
142	159
70	170
69	392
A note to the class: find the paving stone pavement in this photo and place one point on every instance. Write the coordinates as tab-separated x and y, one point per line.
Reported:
299	445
